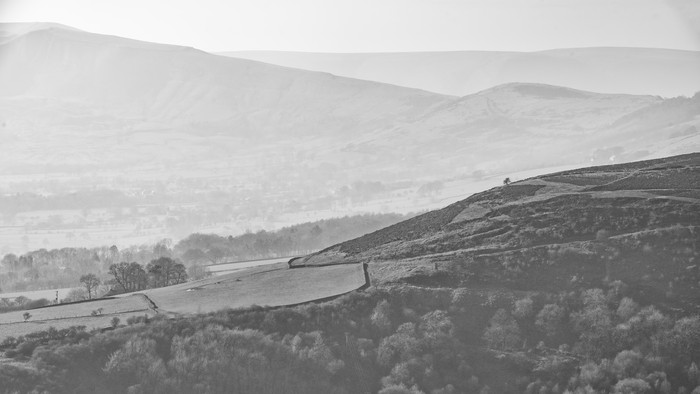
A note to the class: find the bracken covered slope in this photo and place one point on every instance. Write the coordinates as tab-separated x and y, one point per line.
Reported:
637	222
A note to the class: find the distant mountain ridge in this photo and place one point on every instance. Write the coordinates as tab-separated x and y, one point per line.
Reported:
172	84
654	71
112	99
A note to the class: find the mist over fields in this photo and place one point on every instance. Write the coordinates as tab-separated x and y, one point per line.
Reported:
111	140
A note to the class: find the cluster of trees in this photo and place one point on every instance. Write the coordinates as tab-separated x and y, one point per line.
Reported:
598	342
406	340
160	272
60	268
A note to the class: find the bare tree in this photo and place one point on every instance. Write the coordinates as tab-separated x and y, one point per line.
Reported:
179	274
90	281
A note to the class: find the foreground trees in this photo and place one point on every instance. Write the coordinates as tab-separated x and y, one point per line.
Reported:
401	340
503	332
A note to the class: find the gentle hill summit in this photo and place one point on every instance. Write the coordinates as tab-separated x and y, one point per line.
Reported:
665	72
637	223
183	88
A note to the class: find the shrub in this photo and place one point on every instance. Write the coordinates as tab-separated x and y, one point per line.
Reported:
523	308
135	363
627	309
627	363
632	386
381	316
503	332
550	319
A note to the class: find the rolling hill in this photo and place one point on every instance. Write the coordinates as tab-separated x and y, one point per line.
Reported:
636	223
663	72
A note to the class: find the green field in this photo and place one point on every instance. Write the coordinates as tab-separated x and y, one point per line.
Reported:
77	314
270	285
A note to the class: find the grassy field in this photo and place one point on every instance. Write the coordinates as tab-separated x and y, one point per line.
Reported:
78	314
76	310
267	285
225	268
90	323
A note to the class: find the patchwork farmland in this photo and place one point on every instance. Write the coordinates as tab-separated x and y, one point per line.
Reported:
269	285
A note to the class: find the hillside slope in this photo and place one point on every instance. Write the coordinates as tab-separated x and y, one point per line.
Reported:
143	83
637	222
664	72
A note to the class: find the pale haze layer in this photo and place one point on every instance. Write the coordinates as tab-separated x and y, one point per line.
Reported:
378	26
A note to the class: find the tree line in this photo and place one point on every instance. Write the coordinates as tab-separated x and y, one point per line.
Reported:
164	271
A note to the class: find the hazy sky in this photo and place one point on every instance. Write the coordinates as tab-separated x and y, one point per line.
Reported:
378	25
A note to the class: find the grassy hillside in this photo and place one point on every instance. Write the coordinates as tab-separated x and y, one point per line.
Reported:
636	222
